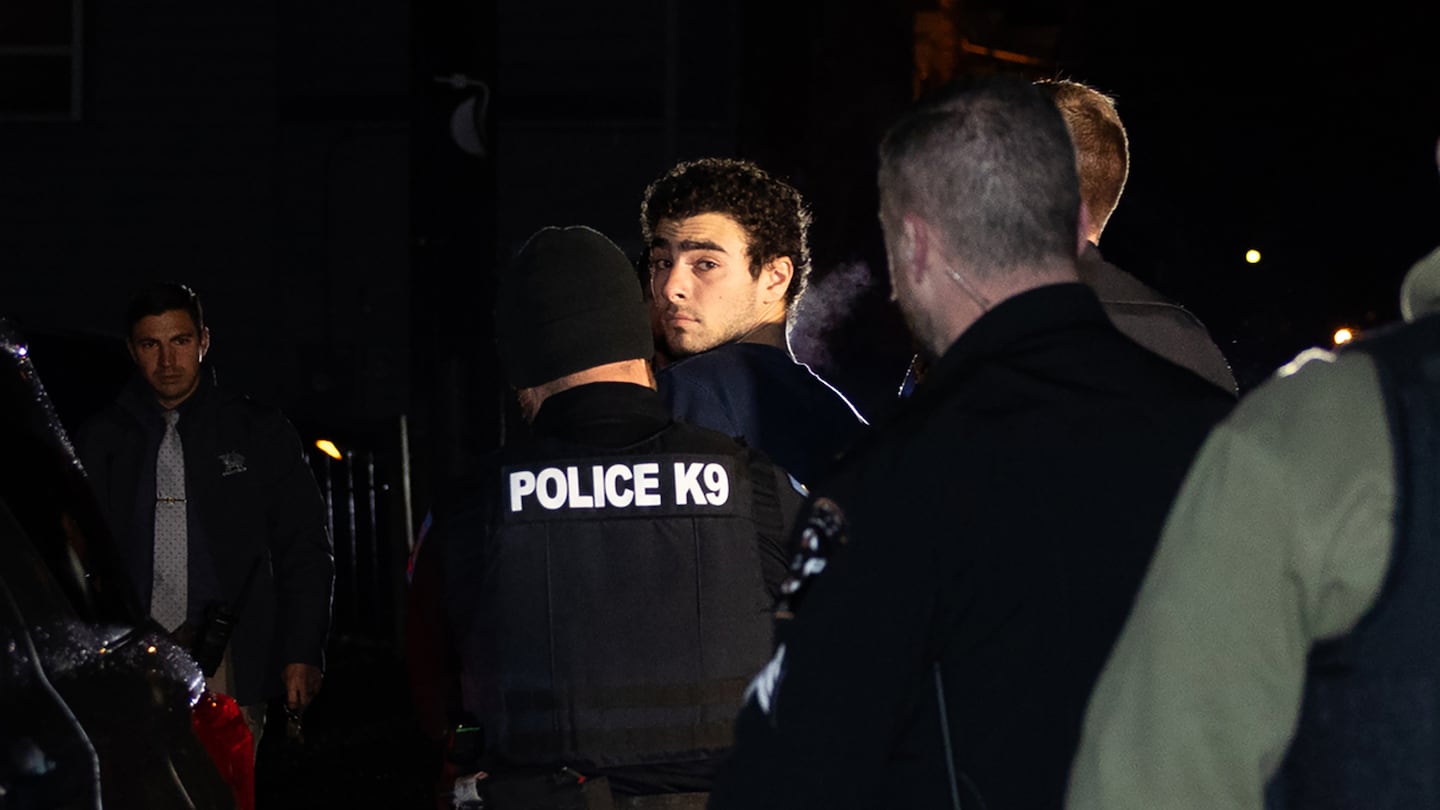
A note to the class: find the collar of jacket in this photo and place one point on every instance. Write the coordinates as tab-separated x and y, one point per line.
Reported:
1113	285
606	414
1016	320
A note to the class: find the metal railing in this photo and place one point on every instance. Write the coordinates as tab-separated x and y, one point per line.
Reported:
367	500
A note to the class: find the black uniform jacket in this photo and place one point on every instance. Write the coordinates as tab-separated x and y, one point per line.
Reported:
254	501
990	537
605	591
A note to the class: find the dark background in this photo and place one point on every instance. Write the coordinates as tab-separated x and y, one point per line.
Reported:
314	171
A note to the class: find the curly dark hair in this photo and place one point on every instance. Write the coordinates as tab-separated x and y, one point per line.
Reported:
770	211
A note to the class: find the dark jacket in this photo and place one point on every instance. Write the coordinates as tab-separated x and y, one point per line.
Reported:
764	396
255	505
991	536
1154	321
606	632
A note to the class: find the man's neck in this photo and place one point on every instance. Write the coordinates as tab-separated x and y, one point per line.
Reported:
636	372
769	333
174	404
997	290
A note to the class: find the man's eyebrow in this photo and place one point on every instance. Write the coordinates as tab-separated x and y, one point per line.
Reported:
688	244
700	244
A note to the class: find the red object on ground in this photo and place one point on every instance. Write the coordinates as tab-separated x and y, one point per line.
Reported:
222	729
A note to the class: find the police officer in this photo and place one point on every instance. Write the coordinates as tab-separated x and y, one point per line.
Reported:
603	586
239	539
1316	582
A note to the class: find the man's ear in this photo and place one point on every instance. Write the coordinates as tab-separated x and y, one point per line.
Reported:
915	245
204	342
775	279
1085	224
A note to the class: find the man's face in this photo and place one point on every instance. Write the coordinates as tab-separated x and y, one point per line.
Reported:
700	277
167	350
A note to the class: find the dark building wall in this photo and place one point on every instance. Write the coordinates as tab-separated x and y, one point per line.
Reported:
594	103
455	393
343	165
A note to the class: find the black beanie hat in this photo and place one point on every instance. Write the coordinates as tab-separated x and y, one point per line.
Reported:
570	301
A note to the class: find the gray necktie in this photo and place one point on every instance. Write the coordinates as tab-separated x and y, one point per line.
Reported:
169	589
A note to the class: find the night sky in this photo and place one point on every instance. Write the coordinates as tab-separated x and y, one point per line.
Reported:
1310	138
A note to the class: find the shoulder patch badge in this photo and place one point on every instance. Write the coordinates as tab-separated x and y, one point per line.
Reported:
231	463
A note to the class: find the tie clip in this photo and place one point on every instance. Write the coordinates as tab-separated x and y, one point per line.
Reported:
159	499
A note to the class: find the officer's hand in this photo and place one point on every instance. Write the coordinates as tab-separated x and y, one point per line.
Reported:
302	681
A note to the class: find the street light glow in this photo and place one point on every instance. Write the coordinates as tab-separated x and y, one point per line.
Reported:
1252	256
1343	335
328	448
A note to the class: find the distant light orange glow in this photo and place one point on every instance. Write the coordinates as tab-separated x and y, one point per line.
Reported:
328	448
1343	336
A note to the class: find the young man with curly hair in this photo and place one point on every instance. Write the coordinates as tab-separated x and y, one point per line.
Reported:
728	262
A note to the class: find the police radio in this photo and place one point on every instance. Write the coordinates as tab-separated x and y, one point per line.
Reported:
821	538
210	640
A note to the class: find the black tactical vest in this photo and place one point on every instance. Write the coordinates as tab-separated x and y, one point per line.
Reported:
622	609
1369	734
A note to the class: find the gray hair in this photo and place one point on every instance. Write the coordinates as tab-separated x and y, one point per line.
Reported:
990	163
